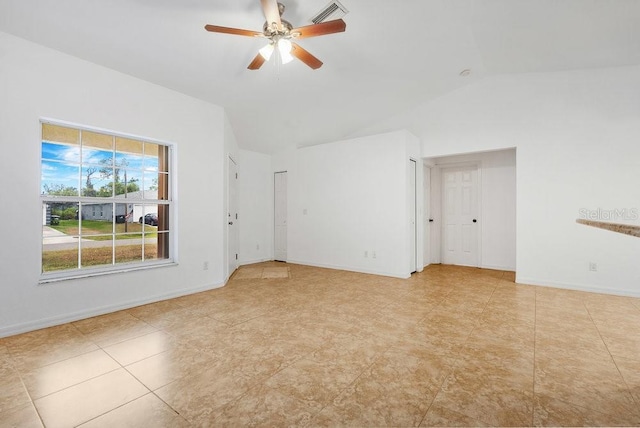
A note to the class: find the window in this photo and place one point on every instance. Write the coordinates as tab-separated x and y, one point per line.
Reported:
106	202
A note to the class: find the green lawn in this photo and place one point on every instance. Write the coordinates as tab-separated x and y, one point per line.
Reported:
90	228
68	259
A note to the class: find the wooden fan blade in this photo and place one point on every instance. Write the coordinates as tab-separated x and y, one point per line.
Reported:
228	30
304	56
257	62
329	27
272	12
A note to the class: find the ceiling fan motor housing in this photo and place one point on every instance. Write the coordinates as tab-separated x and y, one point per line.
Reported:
271	30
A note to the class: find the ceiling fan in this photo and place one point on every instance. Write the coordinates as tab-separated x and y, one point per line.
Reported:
282	36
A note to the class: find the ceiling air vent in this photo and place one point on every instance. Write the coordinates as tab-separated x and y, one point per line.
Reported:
334	10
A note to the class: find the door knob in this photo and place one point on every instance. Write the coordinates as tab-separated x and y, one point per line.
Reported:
230	223
430	220
475	220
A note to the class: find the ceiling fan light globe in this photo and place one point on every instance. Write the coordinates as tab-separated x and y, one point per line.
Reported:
267	51
285	46
286	58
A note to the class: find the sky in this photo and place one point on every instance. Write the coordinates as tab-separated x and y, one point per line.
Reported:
61	166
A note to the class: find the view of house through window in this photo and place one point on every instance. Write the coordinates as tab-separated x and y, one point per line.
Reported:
105	200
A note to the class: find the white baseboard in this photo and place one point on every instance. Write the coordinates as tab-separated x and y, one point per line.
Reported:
504	268
489	267
576	287
80	315
253	262
349	269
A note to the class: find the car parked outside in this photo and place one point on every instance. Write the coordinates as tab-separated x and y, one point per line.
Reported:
150	219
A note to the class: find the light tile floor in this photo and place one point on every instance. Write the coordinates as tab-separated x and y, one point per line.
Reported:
314	347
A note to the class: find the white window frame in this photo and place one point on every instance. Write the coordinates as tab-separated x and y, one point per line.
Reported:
62	275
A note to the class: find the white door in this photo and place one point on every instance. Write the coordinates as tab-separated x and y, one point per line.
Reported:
460	216
232	217
427	220
413	234
280	216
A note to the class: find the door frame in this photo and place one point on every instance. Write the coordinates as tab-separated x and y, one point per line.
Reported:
437	208
275	174
427	252
229	259
414	265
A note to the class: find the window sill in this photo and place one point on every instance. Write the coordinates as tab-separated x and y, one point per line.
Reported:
88	273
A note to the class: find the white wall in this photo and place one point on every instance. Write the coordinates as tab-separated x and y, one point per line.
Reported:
497	206
348	197
255	207
576	135
39	82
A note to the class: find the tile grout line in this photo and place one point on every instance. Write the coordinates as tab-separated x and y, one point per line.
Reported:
143	384
448	374
121	366
137	336
349	384
170	407
611	355
455	364
32	401
24	386
436	395
74	385
80	383
355	379
111	410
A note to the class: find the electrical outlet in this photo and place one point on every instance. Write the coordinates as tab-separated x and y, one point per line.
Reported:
257	246
205	266
366	254
373	255
593	267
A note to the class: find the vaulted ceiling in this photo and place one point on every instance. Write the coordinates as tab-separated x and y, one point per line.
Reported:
394	54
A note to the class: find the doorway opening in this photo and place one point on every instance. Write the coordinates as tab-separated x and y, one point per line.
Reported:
280	216
470	210
413	224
